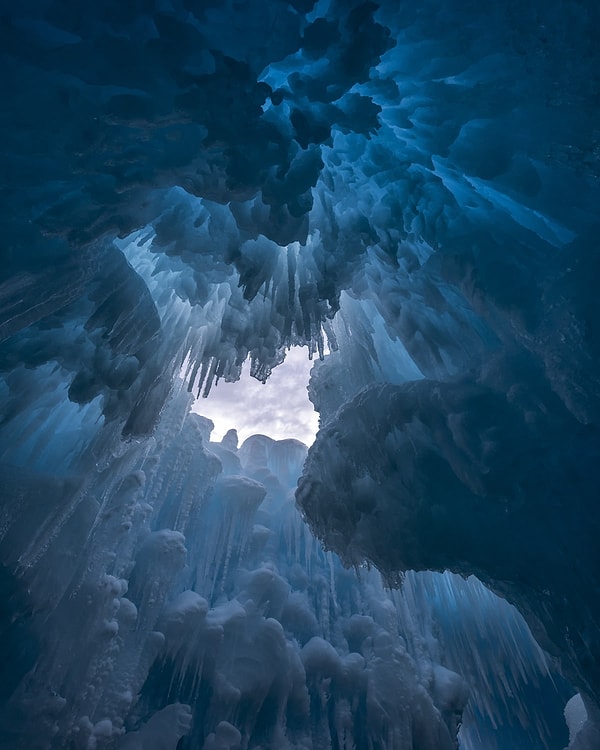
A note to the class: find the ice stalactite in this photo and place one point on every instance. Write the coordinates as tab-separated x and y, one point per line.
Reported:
190	186
204	608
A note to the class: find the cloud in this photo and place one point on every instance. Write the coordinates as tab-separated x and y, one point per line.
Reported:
280	408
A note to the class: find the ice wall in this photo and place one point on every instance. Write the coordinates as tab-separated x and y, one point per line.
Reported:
186	597
187	185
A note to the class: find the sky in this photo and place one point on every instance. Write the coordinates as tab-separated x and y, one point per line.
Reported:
280	408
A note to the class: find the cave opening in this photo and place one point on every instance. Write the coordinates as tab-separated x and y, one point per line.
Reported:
279	408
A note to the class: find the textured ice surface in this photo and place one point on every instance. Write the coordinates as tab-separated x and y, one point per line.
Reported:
199	604
189	186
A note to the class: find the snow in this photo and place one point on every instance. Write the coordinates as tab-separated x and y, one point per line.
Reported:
575	716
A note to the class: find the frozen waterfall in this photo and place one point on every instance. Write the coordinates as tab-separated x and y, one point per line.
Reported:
407	196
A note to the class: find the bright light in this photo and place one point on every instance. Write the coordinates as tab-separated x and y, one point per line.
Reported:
280	408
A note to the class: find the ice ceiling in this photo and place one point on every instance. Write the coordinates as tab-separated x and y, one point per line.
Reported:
189	185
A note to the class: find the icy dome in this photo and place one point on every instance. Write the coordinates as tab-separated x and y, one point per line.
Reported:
407	191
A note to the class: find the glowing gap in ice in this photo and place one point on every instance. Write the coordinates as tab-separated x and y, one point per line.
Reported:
280	408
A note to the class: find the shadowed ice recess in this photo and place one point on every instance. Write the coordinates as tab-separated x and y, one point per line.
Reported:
212	209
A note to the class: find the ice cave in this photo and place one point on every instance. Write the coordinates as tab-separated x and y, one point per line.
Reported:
401	197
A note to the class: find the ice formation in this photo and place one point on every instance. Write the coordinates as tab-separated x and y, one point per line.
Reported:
200	605
409	192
